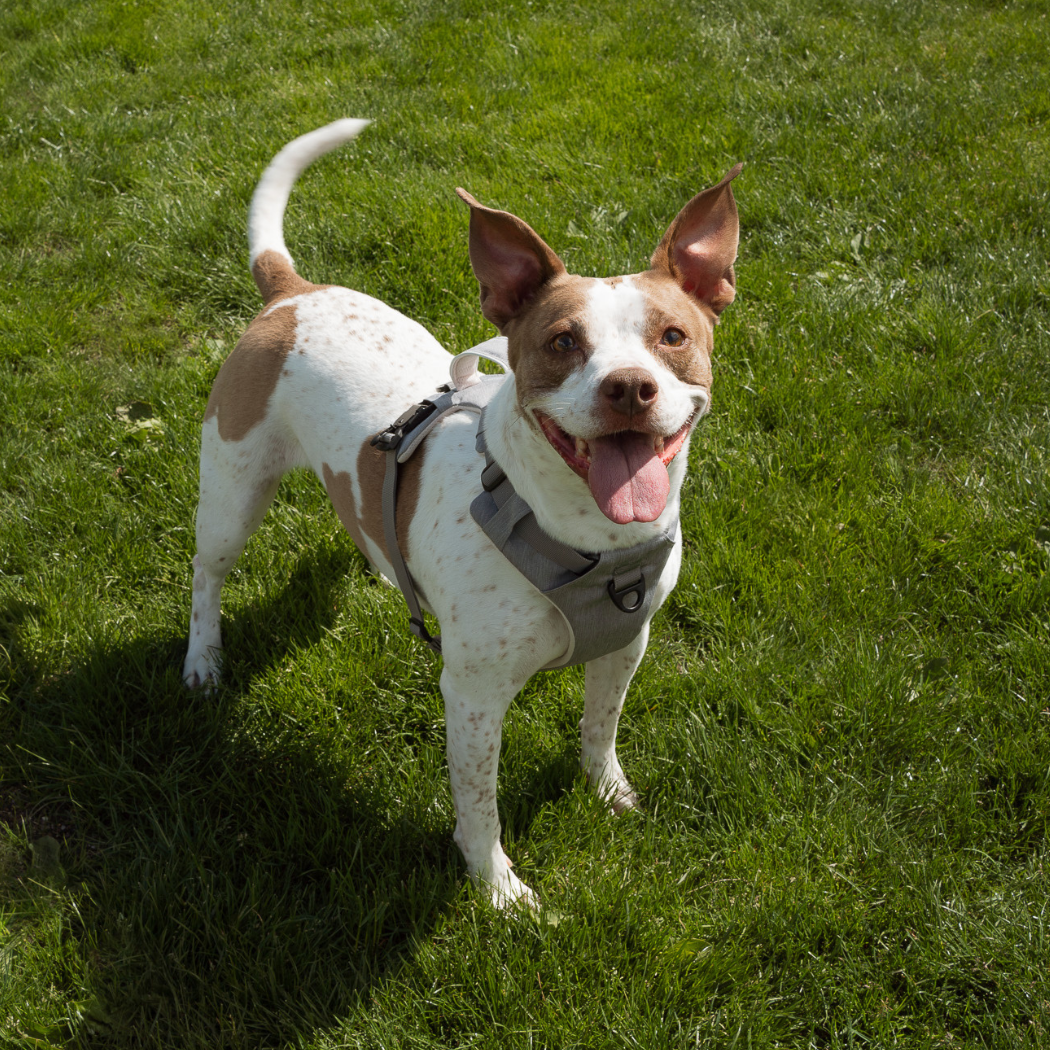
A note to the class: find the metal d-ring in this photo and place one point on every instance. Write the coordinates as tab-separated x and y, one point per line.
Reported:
630	597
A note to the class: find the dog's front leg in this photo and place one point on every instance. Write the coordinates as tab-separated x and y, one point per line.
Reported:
606	681
474	710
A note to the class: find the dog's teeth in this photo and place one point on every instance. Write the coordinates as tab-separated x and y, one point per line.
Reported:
581	448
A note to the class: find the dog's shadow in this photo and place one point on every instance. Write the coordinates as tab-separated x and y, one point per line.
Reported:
239	876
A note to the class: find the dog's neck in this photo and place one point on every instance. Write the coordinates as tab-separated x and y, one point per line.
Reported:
561	501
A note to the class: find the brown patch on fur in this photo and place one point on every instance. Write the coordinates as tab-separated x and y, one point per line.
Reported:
536	367
366	521
249	375
341	492
371	468
277	279
667	306
247	379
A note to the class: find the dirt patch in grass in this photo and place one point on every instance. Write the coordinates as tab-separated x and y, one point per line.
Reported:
37	819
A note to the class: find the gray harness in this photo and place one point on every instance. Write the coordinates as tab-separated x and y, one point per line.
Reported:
605	597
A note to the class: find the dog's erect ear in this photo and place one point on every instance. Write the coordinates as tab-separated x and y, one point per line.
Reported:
509	259
699	247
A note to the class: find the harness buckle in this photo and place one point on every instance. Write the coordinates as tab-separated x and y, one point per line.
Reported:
389	439
419	629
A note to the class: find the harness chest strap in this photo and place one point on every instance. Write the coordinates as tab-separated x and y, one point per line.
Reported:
403	437
604	598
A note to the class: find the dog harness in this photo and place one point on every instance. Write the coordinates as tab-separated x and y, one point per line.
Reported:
604	597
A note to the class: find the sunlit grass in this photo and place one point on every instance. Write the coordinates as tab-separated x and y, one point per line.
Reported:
841	732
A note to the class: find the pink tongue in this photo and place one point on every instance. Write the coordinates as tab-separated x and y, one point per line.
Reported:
627	479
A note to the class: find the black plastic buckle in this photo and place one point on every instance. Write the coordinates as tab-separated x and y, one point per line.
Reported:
387	440
629	598
419	629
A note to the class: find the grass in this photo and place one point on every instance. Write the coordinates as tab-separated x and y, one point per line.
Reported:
841	734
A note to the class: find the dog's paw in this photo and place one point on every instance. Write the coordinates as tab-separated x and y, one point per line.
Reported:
613	788
623	800
503	889
196	683
201	672
618	797
510	894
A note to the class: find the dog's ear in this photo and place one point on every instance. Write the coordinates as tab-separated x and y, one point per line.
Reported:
509	259
699	247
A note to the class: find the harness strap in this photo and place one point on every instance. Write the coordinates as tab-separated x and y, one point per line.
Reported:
496	482
403	437
401	573
528	528
603	598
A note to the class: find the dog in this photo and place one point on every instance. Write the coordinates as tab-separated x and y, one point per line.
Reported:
608	377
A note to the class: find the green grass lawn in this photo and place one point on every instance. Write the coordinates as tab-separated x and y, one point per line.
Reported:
841	733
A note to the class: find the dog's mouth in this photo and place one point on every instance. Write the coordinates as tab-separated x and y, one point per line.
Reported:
625	471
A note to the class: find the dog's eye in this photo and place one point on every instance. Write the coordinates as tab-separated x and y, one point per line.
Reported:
673	337
563	342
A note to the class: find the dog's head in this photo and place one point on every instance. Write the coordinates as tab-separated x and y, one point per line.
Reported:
612	372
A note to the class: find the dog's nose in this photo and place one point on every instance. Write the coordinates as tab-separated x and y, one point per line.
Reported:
630	391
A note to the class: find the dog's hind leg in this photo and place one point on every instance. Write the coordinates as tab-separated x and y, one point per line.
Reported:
606	681
237	484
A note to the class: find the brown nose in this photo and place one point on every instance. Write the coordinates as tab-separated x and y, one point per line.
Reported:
630	391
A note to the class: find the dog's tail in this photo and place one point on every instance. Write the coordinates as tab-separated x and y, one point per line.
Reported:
266	215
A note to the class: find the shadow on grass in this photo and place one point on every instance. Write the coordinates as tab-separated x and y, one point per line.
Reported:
249	883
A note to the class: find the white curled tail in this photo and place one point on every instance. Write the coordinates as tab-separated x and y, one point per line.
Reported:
266	215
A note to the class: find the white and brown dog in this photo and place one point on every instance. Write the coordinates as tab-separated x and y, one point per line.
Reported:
592	428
